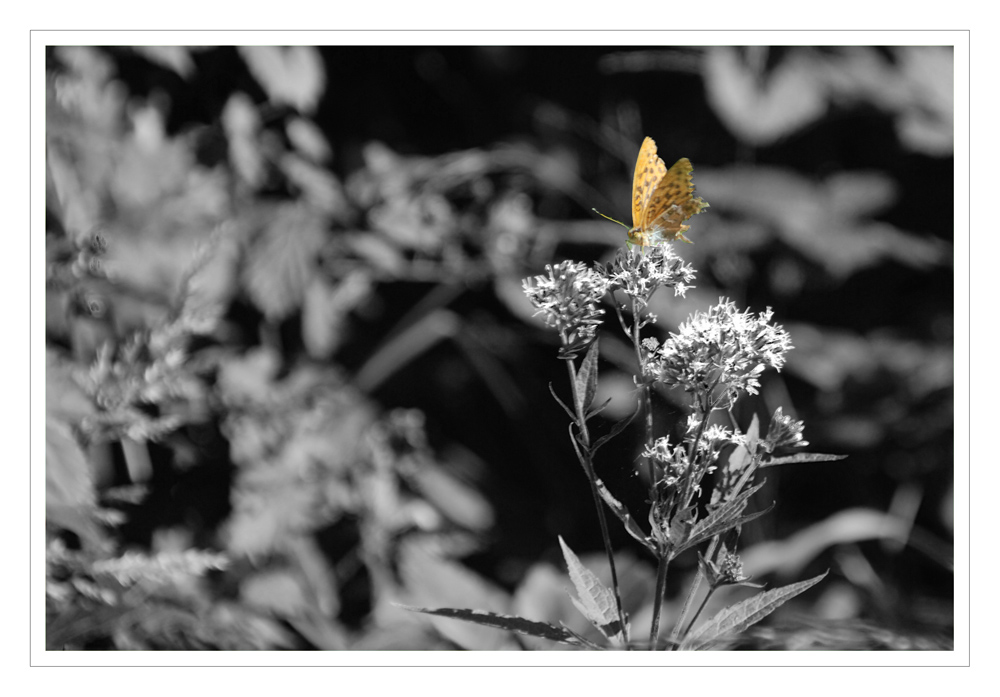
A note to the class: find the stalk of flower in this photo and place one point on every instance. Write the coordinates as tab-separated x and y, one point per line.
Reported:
569	296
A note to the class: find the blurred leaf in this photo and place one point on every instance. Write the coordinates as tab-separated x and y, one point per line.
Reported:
247	379
319	186
279	591
325	309
241	123
400	350
918	86
282	261
65	399
292	75
594	601
77	207
267	512
738	617
70	499
462	504
318	572
759	108
432	581
176	58
308	139
829	222
788	557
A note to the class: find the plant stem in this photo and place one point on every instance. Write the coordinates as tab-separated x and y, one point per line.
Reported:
661	583
588	468
694	619
675	635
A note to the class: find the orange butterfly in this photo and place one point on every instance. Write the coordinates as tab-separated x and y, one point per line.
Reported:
662	199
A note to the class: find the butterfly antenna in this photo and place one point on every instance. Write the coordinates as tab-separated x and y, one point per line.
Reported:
611	219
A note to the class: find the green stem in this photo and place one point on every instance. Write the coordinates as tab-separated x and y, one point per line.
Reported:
588	468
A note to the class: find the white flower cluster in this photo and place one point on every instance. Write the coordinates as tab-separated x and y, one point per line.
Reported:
639	274
568	296
719	353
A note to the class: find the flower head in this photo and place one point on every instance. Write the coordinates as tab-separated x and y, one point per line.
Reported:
568	296
639	274
719	353
784	432
673	460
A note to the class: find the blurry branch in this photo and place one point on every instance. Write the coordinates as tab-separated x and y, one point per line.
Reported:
790	556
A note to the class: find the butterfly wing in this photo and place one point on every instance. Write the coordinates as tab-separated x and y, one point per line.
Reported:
649	172
672	202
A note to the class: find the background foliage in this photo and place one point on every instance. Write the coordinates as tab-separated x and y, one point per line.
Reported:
292	377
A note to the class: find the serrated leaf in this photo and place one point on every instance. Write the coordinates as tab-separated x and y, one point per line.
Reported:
801	457
631	527
431	580
510	623
724	517
586	379
719	528
596	602
738	617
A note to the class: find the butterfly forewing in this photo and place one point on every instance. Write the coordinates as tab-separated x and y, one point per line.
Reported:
649	171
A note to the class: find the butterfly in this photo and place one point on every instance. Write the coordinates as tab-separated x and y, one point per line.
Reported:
662	199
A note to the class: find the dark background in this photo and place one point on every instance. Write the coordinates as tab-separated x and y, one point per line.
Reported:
448	174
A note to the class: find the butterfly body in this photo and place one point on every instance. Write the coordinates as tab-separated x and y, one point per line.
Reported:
662	199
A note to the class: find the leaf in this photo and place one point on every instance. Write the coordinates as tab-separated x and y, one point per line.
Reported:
738	617
596	602
508	622
802	457
458	501
176	58
624	516
279	591
318	186
597	410
291	75
722	518
719	528
283	260
761	109
70	498
306	137
562	403
586	379
431	580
